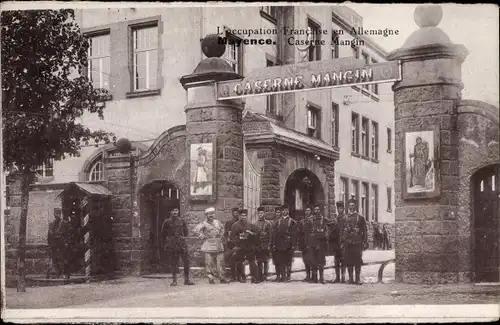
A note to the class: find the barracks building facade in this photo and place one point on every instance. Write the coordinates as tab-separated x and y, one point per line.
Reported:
299	148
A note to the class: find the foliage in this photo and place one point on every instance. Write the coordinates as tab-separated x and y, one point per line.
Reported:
45	89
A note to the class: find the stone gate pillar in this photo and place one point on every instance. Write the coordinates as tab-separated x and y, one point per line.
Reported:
219	123
430	245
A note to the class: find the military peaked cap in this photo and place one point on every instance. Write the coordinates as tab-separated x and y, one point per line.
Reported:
340	204
352	201
260	209
244	211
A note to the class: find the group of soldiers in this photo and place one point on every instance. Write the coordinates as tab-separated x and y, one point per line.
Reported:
343	235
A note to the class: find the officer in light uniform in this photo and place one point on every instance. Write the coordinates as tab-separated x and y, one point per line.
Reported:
211	231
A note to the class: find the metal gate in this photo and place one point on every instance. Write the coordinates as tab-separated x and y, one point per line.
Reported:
486	222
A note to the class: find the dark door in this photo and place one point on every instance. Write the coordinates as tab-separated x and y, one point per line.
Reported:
162	208
486	223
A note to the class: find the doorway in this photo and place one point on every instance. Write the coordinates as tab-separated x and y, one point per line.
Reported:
158	199
486	206
302	188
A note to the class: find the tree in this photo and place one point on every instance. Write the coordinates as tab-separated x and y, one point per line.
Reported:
44	93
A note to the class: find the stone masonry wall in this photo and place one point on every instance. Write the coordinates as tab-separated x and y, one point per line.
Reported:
273	161
221	124
118	182
427	240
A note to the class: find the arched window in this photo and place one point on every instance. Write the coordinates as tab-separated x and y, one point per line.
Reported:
96	171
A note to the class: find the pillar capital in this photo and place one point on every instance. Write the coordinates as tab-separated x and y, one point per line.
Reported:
213	68
428	56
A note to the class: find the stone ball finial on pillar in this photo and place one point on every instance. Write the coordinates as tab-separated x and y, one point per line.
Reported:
212	46
213	67
428	15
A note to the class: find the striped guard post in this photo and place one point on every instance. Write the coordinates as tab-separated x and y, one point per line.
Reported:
88	248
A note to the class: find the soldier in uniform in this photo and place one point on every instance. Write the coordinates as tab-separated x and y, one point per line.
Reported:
301	241
59	240
211	232
229	245
277	216
316	230
174	231
263	245
355	241
244	235
336	242
284	241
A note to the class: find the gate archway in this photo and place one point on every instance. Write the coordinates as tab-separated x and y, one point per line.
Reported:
485	207
301	188
158	198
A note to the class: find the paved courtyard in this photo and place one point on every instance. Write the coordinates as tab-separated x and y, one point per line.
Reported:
147	292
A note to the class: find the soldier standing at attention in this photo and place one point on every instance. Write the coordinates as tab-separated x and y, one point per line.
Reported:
211	232
229	245
263	245
355	241
316	230
175	232
277	216
57	239
284	245
244	236
336	243
301	241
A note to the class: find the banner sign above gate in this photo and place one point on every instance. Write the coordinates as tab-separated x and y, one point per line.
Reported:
308	76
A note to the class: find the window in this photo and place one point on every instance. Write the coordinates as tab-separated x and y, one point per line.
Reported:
389	199
145	58
335	45
233	54
271	99
389	140
46	169
335	125
364	199
344	190
355	191
98	64
374	86
364	137
314	49
366	58
270	11
96	172
313	121
374	199
354	133
374	140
